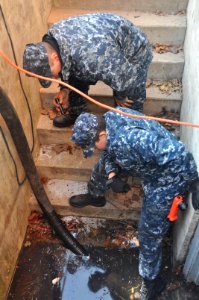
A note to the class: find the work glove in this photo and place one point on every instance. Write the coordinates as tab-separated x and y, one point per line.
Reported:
195	193
117	185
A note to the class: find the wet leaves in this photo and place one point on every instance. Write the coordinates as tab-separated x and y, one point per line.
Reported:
122	237
181	12
160	13
73	225
34	217
110	234
44	112
149	83
38	228
170	86
164	48
52	113
166	87
44	179
63	147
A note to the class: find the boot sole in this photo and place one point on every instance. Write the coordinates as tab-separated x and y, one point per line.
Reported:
89	204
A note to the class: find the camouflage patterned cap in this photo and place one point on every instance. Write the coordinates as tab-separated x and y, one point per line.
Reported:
35	60
85	133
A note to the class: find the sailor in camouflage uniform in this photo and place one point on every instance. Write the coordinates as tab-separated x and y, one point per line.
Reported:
89	48
137	147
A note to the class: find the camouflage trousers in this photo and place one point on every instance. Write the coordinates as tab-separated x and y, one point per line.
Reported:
153	224
137	91
77	103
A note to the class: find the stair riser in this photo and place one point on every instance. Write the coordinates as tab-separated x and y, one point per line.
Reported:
168	6
166	70
47	137
153	107
165	35
64	173
93	212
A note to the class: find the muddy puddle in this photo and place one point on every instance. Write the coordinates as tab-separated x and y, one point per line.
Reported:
48	271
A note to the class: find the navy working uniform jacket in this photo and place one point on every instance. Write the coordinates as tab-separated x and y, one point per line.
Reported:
104	47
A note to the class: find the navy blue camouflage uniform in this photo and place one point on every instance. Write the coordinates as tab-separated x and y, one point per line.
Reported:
102	47
144	148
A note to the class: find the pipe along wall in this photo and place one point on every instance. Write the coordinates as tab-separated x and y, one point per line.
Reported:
16	130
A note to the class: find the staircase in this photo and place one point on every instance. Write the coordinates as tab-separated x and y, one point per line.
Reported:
60	163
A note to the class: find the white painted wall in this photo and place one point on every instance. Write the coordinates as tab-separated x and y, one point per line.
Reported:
185	228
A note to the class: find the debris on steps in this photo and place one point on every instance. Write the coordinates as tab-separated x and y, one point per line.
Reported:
93	231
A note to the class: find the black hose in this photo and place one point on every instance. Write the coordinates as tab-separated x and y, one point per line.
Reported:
16	130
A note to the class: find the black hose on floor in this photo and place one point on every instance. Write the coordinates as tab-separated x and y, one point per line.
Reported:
16	130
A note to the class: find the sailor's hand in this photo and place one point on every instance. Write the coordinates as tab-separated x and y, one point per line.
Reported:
125	102
63	97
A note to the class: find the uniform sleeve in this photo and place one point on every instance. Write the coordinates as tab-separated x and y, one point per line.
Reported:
110	165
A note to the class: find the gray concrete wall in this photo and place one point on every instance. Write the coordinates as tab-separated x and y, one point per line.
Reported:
186	226
26	22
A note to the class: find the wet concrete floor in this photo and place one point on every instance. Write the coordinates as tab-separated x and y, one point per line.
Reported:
48	271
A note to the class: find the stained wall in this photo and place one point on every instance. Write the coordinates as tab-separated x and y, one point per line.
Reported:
21	22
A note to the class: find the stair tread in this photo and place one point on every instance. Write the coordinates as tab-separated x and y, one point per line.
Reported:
118	205
141	19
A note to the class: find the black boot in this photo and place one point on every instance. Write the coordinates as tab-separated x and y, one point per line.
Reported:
86	199
63	121
150	289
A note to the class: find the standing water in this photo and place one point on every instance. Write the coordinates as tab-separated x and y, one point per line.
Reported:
48	271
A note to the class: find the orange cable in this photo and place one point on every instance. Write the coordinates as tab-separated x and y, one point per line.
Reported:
95	101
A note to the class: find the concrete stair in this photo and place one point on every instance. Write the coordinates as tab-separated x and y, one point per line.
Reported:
125	206
64	161
60	163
